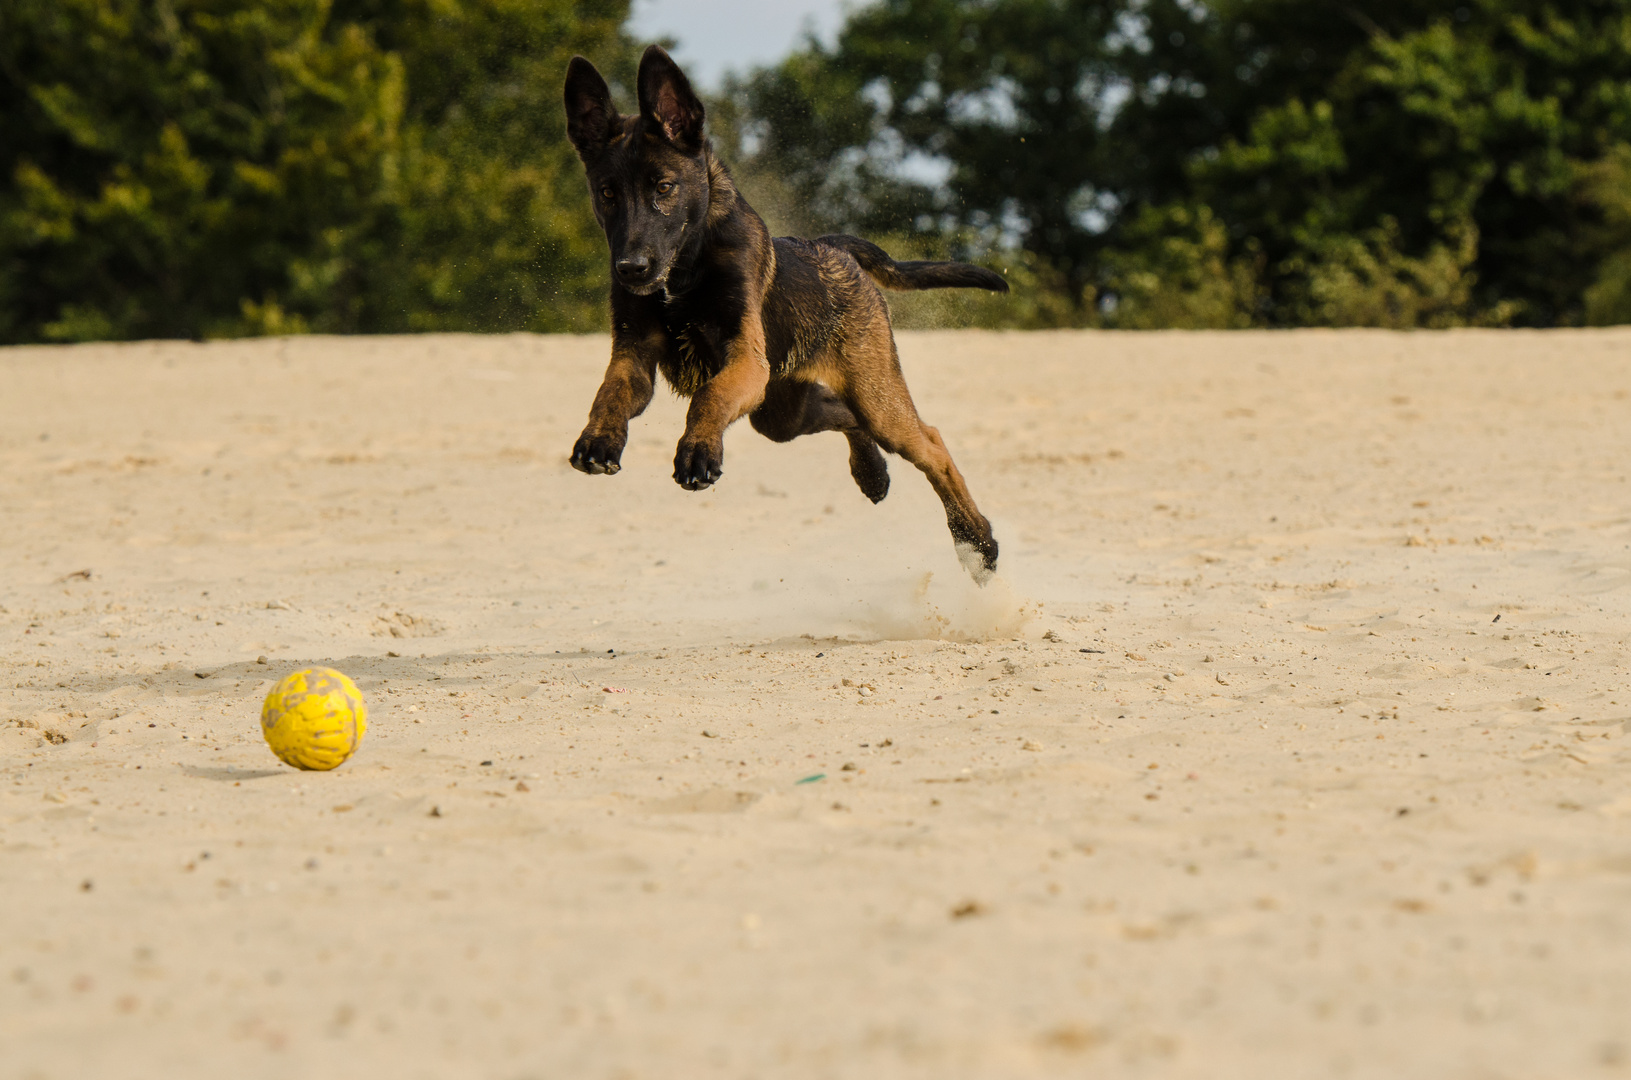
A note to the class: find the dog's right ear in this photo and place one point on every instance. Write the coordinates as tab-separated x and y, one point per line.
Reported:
591	119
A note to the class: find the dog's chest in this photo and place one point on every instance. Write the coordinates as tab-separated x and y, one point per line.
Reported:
696	353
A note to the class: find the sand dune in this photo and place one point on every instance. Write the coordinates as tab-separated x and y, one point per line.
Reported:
1292	739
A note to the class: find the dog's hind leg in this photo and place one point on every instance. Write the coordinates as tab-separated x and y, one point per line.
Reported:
867	465
884	407
793	407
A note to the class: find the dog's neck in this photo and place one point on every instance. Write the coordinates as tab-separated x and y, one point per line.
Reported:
721	189
724	202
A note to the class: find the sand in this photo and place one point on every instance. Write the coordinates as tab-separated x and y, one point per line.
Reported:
1292	739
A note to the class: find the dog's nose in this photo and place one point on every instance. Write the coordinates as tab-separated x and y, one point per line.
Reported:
633	269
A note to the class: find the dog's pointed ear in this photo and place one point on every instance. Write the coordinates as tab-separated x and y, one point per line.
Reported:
591	119
667	100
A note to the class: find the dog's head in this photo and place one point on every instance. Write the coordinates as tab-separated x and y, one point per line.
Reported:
648	174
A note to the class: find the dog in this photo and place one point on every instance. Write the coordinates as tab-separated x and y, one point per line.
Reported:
791	333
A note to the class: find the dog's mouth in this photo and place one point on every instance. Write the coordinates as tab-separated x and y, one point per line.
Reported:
646	288
647	283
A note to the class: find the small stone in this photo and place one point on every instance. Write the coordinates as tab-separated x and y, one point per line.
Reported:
260	659
848	766
521	785
1032	745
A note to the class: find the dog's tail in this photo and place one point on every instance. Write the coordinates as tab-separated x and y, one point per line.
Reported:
906	276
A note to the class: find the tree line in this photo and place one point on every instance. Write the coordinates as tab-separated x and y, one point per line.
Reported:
201	168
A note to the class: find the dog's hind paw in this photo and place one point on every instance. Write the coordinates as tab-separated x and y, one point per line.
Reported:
597	454
698	465
870	470
981	566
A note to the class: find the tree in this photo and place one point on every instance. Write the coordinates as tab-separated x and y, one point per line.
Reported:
210	167
1404	162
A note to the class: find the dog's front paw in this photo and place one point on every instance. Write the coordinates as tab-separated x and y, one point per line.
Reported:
698	465
595	453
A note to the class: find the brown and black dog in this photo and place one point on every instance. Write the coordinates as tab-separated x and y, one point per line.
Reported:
791	333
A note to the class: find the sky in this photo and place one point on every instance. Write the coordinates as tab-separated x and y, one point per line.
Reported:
717	35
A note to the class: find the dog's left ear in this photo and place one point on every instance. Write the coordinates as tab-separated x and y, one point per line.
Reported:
666	99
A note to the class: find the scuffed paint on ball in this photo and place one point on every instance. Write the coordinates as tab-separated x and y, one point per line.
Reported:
314	719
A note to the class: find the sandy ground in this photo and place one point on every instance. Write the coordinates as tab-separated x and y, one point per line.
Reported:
1291	741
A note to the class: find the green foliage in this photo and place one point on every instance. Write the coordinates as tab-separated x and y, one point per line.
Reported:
1271	162
1175	272
1606	187
218	167
222	167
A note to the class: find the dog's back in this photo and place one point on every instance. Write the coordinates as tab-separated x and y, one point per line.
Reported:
824	294
819	301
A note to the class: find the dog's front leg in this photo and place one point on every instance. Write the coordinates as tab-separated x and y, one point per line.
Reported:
731	394
624	394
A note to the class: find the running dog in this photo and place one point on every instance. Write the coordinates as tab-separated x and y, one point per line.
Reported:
791	333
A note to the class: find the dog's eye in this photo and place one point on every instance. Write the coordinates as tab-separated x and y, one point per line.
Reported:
664	187
608	194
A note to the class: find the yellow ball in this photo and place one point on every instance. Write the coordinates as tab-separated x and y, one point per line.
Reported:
314	719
